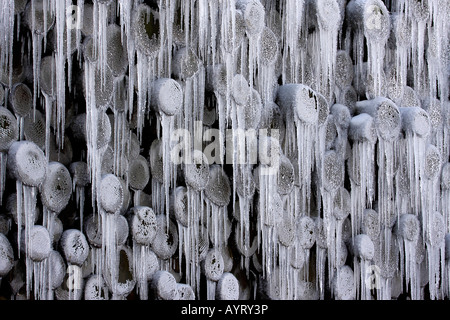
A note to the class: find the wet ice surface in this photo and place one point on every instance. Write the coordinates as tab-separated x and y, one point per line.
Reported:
96	105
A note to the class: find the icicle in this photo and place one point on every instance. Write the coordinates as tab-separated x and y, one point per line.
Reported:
371	19
329	19
60	15
7	38
145	262
362	167
292	26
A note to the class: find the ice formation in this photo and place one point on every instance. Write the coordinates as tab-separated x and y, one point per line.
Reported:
230	149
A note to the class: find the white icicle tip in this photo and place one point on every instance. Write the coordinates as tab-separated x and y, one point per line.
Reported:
143	225
167	96
344	284
227	287
111	193
9	131
164	286
56	189
218	189
39	245
6	256
74	246
27	163
364	247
